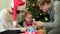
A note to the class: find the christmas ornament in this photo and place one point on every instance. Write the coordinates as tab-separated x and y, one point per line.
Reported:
33	4
37	17
40	14
46	18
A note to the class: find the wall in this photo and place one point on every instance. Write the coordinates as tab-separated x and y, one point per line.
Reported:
4	3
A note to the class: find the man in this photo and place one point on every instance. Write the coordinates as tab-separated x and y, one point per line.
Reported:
53	9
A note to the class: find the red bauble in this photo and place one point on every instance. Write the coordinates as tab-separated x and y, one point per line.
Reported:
37	16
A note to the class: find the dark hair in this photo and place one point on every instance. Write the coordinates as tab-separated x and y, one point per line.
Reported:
27	13
42	2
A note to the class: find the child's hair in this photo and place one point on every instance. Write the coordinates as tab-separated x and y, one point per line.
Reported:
27	13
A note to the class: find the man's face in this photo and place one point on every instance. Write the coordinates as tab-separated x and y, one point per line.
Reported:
44	7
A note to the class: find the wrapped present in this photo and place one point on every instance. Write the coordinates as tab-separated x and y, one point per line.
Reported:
41	31
31	29
31	32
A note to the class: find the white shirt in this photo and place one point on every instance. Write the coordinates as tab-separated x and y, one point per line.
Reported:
4	19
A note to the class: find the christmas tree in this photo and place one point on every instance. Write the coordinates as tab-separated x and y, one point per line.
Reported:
38	14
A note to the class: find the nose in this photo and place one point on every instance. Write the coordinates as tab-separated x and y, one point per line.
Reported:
43	10
40	8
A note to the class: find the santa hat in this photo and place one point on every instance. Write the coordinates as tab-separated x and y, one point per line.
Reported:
21	5
14	5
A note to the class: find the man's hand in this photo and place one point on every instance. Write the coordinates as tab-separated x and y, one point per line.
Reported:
39	23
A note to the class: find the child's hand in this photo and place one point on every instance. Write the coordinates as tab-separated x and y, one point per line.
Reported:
27	28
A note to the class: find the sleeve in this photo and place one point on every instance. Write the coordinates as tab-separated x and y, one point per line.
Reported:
56	22
2	15
2	24
1	27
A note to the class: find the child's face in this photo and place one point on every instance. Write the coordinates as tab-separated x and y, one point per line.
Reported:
28	18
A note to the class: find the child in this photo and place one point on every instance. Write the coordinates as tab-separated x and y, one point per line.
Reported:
27	21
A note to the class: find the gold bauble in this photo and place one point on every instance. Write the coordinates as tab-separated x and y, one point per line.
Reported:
40	14
46	18
33	5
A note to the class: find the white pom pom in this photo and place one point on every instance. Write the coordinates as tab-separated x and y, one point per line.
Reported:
14	23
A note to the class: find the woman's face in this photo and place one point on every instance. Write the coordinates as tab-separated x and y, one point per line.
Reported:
28	18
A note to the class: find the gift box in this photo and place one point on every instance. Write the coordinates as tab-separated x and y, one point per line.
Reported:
30	33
